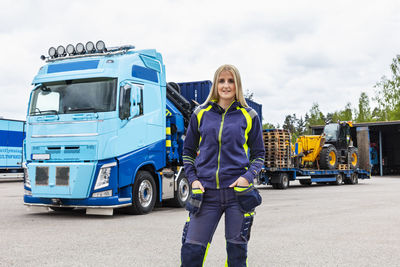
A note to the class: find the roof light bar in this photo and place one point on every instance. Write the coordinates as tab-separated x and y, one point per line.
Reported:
80	49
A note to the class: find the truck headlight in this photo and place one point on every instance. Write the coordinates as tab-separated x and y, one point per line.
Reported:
103	178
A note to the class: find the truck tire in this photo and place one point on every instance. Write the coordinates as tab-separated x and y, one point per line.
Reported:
328	159
354	178
143	194
352	158
284	181
182	193
305	182
339	179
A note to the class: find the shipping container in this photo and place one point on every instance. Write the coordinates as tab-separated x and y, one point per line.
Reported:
197	91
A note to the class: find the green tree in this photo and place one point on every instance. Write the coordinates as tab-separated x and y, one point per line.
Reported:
332	117
387	94
268	125
290	123
300	127
364	110
316	117
347	113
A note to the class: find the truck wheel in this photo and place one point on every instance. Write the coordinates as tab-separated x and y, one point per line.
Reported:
353	158
305	182
354	178
274	186
143	194
284	181
182	193
339	179
328	158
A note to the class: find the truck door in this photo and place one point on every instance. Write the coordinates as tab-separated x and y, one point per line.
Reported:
133	130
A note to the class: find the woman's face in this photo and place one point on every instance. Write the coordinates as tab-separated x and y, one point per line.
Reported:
226	86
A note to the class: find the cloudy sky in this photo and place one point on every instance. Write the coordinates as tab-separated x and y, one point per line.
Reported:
290	53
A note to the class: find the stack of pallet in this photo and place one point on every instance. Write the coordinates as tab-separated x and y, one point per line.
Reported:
277	148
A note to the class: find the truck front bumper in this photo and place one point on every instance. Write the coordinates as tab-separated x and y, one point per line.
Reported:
92	202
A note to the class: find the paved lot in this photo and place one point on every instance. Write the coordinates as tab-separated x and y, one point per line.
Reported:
348	225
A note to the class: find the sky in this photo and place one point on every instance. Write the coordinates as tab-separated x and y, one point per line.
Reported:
290	54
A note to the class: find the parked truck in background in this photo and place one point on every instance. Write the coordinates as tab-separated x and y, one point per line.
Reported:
11	142
105	130
326	158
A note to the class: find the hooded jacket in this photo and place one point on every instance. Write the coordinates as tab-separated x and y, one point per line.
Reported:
222	145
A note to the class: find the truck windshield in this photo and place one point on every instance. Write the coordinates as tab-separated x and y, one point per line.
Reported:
74	96
330	132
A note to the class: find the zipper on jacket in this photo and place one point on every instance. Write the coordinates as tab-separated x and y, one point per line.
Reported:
219	143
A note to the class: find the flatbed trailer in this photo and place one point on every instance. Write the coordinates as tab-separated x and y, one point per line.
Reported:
280	178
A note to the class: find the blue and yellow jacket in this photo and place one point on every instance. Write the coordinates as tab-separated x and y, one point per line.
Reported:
220	146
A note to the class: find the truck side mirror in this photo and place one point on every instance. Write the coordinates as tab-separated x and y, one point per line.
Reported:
125	102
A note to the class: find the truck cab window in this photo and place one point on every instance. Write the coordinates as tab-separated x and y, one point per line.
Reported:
46	102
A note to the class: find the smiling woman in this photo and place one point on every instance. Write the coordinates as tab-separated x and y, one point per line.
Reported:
223	152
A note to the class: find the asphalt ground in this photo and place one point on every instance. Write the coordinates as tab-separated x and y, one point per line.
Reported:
321	225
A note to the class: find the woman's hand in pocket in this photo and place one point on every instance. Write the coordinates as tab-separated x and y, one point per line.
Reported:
241	181
197	184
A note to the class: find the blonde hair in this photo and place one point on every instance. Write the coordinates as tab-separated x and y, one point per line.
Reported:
213	95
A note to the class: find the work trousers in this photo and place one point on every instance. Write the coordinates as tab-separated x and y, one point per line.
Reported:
199	229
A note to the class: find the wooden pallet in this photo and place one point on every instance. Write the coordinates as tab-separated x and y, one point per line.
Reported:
277	148
343	167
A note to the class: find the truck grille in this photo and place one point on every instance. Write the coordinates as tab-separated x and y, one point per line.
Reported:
42	176
62	175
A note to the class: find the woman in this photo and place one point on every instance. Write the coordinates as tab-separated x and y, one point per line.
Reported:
223	152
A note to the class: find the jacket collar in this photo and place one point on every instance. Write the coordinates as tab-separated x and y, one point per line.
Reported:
219	109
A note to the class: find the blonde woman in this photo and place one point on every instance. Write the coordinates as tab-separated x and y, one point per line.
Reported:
223	152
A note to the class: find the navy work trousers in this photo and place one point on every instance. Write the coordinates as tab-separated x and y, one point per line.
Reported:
199	229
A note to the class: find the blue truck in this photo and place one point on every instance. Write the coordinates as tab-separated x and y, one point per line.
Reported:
105	130
11	141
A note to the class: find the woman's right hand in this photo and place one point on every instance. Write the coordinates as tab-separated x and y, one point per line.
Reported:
197	184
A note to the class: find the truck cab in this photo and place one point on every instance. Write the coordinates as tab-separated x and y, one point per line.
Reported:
96	132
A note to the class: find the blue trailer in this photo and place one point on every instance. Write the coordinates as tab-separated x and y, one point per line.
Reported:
105	130
11	142
280	178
